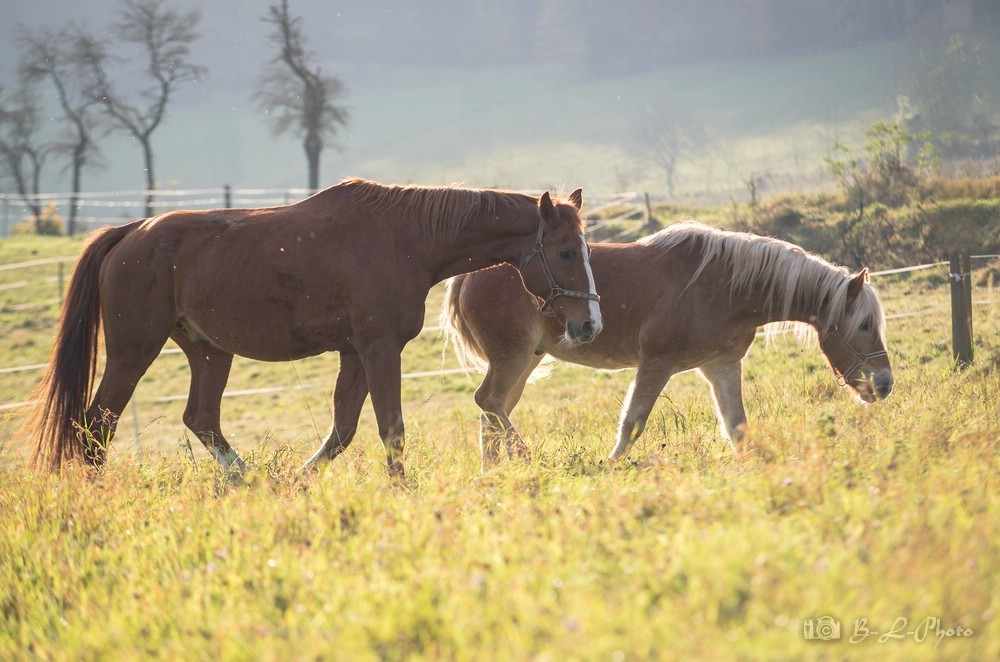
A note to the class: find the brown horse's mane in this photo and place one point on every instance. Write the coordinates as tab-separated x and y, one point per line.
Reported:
445	209
786	273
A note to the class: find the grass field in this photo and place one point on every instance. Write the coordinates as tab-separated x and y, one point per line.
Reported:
863	514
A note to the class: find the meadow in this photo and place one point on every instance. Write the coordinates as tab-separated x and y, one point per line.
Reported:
841	531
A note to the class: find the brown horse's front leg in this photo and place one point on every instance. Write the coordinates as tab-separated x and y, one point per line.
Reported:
383	369
348	398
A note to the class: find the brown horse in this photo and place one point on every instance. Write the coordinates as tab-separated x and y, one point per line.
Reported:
347	269
686	297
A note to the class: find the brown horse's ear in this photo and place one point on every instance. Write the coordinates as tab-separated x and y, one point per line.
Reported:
576	197
545	207
858	281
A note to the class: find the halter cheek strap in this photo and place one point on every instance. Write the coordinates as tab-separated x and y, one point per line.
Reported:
554	290
860	360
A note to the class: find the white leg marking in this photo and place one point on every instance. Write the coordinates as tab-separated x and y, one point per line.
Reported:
230	461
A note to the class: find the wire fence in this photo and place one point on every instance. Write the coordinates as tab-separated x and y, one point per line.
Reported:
429	329
95	209
630	210
618	217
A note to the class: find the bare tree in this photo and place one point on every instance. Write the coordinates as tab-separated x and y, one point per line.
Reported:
667	135
46	56
22	150
300	103
164	37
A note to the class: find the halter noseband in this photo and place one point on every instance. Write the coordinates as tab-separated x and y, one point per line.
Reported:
554	290
860	359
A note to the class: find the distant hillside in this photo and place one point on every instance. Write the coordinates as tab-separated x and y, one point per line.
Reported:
529	127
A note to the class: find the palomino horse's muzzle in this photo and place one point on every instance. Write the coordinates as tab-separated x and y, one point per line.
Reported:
881	379
586	330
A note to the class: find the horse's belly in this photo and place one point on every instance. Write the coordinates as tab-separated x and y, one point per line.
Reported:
593	355
270	337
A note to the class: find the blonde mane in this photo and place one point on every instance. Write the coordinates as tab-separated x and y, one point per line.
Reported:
787	275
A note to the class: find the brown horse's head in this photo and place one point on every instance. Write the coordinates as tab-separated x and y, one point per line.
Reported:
854	343
557	269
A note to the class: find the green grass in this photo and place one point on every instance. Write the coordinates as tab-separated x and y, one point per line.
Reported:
685	551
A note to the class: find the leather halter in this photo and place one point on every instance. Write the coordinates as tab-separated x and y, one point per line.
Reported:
554	290
860	359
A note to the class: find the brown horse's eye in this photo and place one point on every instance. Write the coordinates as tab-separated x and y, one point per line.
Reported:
865	326
564	255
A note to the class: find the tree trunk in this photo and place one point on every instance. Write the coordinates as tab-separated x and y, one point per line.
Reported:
147	152
75	195
314	147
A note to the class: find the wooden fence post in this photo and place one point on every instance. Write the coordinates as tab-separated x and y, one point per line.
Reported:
227	196
960	271
651	222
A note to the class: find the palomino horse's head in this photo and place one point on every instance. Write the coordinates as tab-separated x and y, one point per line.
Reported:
557	269
854	343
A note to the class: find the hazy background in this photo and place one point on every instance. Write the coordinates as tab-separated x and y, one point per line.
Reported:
541	93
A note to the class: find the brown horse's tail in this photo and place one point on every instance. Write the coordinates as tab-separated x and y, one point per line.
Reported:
456	328
61	398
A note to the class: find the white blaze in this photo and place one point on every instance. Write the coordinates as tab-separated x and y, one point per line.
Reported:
595	307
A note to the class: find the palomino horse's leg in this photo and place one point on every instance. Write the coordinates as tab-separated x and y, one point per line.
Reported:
496	397
726	380
348	398
383	370
649	382
515	393
209	373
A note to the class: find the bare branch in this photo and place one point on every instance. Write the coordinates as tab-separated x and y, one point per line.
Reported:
22	150
294	93
165	37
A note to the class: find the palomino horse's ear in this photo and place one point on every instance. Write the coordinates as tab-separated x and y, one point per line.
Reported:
858	281
576	197
545	207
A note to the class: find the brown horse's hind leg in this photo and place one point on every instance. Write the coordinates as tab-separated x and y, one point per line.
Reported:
209	374
348	397
496	397
649	382
116	388
726	380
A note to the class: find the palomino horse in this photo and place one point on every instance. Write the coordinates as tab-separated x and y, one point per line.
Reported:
347	269
686	297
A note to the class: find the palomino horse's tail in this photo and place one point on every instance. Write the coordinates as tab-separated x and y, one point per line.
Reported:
61	398
456	329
